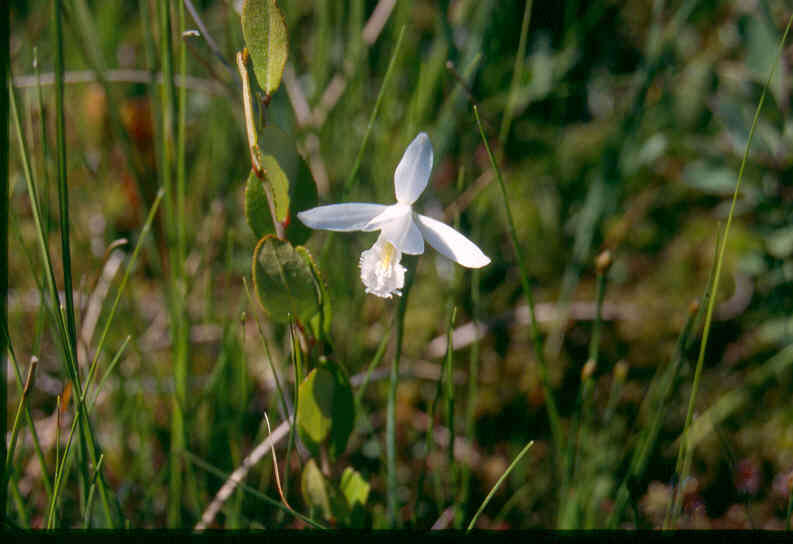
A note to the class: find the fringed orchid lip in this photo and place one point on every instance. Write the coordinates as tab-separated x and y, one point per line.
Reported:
401	229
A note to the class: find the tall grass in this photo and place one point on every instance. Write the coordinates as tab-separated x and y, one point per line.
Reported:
550	402
684	455
172	157
4	148
589	366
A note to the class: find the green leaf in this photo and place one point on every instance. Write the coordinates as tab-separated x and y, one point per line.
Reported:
257	211
326	409
315	408
356	490
264	30
284	281
302	187
320	495
279	186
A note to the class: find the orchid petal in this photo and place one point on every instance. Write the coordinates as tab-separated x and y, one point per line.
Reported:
450	243
342	217
389	214
413	171
403	233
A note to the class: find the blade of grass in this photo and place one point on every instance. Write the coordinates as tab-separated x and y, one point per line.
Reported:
45	147
5	48
647	438
107	373
29	419
517	75
176	285
754	383
55	309
378	356
578	424
24	520
655	403
86	449
58	311
213	46
603	190
63	189
59	466
550	401
36	210
286	408
349	183
45	209
684	454
441	389
20	406
297	366
351	177
90	503
498	484
125	277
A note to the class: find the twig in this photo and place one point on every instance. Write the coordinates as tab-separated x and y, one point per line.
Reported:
95	302
464	200
123	76
275	465
374	26
240	473
444	520
308	118
463	451
207	36
472	331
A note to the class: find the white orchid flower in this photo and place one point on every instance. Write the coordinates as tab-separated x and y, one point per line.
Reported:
401	229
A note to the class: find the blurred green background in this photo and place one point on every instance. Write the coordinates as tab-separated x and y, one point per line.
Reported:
619	126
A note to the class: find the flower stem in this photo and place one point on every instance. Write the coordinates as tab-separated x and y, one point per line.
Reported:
391	476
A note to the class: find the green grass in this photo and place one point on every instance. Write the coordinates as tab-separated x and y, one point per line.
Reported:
616	127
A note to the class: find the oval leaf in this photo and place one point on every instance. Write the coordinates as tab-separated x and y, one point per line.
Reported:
264	30
278	184
343	411
326	409
321	496
356	491
257	211
284	280
315	408
302	187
